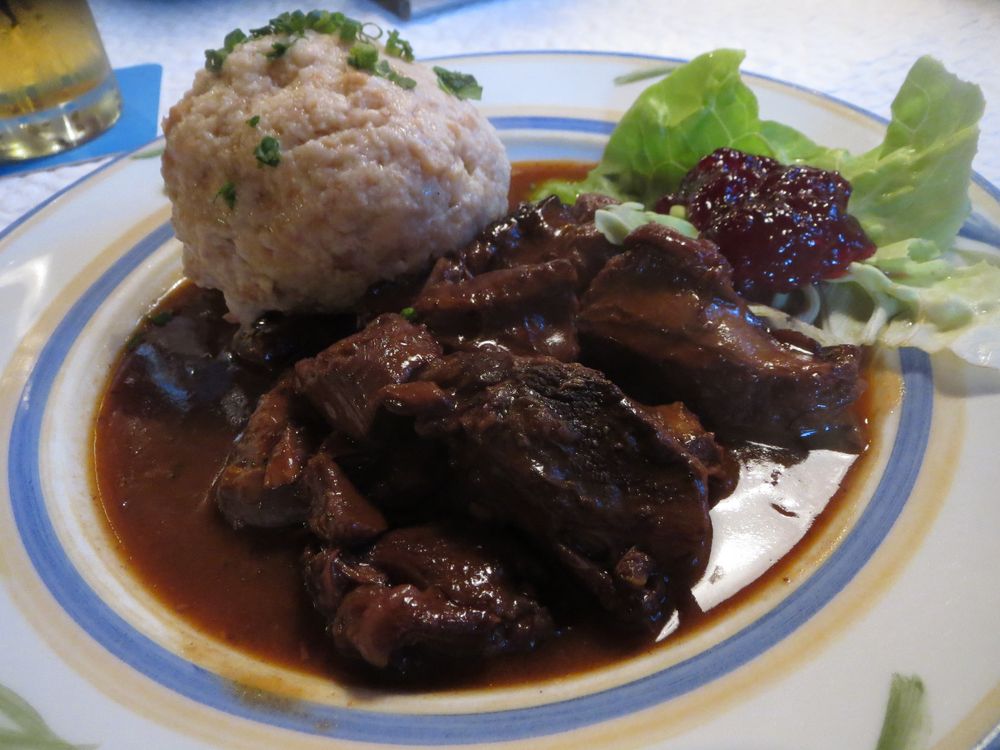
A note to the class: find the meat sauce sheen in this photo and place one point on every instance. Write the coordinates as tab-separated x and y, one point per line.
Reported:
163	433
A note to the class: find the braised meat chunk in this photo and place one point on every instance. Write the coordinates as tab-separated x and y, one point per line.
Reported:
261	482
557	451
345	381
338	512
663	320
401	475
435	590
526	310
276	340
542	232
515	287
721	466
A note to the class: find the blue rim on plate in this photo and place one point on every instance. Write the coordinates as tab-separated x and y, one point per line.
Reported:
188	679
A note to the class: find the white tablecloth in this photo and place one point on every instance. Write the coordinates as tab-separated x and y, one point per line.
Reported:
858	50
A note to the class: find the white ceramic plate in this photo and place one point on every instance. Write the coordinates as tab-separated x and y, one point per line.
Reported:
903	580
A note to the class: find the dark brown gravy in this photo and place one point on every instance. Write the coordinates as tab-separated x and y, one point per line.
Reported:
158	447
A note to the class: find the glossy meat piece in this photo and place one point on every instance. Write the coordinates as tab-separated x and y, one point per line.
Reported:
557	451
415	397
261	482
526	309
345	381
390	296
721	466
276	340
515	286
400	474
331	573
182	353
339	514
541	232
663	320
403	476
425	592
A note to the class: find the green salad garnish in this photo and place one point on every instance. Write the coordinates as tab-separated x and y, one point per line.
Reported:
910	194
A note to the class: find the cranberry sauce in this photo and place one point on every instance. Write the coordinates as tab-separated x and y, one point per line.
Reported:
780	227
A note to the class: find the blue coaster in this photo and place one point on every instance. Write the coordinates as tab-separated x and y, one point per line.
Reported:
140	88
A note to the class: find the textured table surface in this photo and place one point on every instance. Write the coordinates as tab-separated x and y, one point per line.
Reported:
857	50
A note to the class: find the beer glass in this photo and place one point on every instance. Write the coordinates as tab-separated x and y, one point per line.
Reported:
56	86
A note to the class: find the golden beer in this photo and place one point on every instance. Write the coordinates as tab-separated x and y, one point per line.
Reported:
56	86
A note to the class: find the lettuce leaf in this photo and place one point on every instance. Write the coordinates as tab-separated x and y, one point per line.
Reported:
568	190
911	197
913	184
788	146
616	222
699	107
910	294
916	183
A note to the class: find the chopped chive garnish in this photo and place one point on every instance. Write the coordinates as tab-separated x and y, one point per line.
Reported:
234	37
215	57
363	56
396	47
278	49
351	30
462	85
907	721
295	22
268	151
228	193
323	21
409	313
384	70
152	153
374	33
254	121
